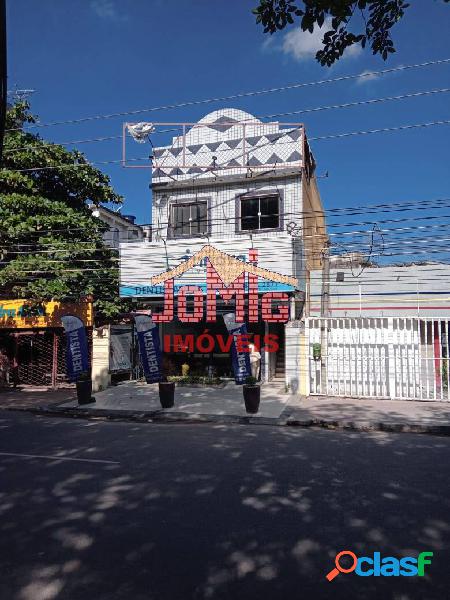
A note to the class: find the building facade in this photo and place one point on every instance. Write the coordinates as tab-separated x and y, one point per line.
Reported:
33	339
237	195
387	332
121	228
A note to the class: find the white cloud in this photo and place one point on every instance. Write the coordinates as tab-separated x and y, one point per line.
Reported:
302	45
106	9
366	78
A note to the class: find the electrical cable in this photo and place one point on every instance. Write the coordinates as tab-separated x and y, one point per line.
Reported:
245	94
296	112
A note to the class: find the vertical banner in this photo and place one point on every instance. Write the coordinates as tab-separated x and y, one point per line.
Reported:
149	347
240	360
77	354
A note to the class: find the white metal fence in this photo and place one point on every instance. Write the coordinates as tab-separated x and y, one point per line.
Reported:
403	358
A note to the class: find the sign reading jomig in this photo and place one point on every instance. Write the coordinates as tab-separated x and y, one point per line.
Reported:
140	262
205	275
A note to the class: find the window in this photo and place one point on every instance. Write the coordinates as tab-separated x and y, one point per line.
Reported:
260	212
189	219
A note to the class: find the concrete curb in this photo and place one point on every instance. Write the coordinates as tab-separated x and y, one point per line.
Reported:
158	416
286	420
443	430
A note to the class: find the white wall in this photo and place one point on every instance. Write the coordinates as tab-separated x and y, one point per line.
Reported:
101	378
223	201
292	356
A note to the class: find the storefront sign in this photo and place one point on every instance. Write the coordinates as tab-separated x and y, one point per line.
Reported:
77	356
229	278
24	314
149	347
143	263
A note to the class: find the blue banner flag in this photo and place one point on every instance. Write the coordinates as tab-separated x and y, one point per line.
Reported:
77	353
239	360
149	347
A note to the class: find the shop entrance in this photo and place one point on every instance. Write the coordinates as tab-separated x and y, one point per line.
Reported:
37	357
216	363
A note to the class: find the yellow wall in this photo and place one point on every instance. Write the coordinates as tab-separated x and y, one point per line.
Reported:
23	314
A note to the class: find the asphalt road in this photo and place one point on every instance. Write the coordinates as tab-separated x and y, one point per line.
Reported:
103	511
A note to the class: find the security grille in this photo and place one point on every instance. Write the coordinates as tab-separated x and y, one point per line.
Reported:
402	358
35	359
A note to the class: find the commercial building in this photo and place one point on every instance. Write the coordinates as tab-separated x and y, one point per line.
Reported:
237	195
32	337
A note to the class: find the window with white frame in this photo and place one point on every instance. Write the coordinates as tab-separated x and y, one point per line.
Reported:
260	212
189	219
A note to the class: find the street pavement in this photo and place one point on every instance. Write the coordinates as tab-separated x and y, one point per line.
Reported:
98	510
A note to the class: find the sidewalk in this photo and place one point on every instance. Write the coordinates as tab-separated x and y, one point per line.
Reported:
366	414
190	401
137	401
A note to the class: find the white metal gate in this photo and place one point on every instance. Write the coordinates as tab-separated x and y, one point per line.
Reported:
404	358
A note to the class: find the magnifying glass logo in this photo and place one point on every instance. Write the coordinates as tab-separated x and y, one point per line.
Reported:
339	569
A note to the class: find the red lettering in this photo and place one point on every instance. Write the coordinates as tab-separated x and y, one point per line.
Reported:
207	338
197	314
271	343
253	316
283	309
215	284
180	345
167	315
257	342
224	346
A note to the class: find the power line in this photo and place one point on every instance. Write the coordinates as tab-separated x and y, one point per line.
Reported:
400	207
296	112
358	103
332	136
244	94
383	130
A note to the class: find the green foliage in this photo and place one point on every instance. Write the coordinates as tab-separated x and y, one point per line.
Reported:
51	246
372	20
317	351
250	380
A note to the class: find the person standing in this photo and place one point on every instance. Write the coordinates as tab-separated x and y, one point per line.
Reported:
255	361
5	366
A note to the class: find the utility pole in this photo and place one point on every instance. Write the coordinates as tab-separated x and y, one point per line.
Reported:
3	74
324	314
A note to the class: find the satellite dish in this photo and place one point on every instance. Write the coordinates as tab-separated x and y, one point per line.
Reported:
293	229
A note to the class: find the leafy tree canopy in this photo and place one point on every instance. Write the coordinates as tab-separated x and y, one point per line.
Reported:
352	22
51	246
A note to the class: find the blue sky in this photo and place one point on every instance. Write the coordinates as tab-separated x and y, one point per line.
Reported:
104	56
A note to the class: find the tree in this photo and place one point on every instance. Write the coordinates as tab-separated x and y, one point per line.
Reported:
51	245
371	22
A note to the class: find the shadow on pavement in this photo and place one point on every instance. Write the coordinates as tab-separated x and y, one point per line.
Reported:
215	511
